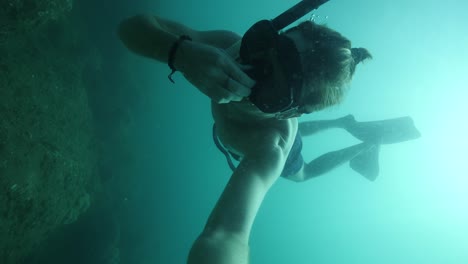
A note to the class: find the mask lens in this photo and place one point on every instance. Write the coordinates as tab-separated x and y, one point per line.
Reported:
276	65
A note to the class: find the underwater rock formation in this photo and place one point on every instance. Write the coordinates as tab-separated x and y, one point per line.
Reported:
47	145
18	15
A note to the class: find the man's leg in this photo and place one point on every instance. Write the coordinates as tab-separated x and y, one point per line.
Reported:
388	131
334	159
311	127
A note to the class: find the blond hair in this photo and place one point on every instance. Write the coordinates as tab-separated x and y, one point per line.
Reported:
328	65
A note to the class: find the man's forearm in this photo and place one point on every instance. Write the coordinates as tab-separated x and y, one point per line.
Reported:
145	36
199	55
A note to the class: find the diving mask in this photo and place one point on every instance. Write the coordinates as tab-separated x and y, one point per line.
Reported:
277	67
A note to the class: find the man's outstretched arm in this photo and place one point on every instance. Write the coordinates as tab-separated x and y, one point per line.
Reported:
225	237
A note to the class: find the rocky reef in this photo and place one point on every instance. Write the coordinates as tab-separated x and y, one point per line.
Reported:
48	151
67	161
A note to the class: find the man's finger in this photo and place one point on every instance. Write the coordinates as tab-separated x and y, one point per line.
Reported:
246	83
236	88
223	95
245	67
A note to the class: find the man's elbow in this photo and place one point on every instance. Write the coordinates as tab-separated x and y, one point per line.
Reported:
134	30
126	29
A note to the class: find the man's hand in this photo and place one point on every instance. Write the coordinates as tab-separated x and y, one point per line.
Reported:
213	72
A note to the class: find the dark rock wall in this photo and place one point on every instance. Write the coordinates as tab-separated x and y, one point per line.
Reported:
47	144
67	161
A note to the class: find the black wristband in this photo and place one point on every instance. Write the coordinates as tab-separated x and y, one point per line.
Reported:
172	52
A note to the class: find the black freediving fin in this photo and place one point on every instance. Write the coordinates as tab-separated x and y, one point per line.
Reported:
366	163
387	131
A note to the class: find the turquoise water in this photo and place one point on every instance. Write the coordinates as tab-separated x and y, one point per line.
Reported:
415	212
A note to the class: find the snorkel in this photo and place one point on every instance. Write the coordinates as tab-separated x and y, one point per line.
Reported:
277	67
294	13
